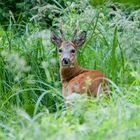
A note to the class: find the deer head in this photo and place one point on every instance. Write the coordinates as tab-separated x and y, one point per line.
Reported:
67	49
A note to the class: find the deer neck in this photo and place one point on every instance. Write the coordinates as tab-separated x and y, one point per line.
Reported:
66	74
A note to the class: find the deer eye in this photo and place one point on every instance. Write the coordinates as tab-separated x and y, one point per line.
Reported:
72	51
60	50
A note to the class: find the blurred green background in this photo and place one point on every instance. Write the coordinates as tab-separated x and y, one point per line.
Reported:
22	11
96	2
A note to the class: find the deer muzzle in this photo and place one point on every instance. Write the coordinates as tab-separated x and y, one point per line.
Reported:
66	62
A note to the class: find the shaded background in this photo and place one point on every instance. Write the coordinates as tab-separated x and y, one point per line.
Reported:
43	11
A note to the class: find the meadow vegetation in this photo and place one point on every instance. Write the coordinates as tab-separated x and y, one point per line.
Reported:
31	103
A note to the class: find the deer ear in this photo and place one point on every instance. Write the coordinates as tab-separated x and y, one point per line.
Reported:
79	41
56	39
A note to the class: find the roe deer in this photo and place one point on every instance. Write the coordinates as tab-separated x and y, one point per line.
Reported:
73	77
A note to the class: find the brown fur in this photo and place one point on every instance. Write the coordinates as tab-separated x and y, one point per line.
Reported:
75	80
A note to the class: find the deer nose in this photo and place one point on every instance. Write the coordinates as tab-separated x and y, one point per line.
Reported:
65	61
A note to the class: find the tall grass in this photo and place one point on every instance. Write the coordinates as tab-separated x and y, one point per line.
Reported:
31	104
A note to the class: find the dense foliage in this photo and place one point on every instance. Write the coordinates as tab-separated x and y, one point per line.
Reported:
20	12
31	104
